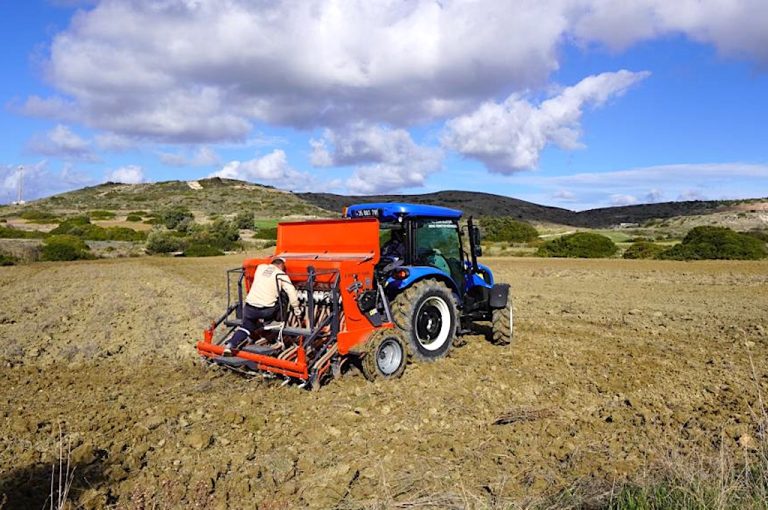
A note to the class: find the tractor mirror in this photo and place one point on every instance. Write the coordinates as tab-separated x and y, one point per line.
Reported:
476	237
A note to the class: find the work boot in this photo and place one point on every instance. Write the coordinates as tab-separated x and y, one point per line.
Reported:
227	350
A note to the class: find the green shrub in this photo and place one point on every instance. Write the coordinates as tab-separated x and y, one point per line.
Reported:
153	221
266	233
643	250
15	233
164	241
202	250
578	245
82	227
66	226
38	216
716	243
221	234
6	259
507	229
762	235
133	217
101	215
65	247
173	216
245	220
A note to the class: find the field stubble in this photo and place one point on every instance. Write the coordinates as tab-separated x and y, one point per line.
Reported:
617	368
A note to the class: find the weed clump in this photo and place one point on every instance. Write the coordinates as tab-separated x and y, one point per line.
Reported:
6	259
165	241
266	233
82	227
202	250
64	248
506	229
15	233
245	220
579	245
101	215
643	250
38	216
721	243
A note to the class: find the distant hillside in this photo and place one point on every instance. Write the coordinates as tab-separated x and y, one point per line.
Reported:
487	204
227	196
471	202
207	195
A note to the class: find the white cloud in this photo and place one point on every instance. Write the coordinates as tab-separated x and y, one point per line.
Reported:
274	169
691	194
682	182
114	142
385	159
734	27
39	181
508	137
564	195
62	142
204	156
618	199
654	195
203	70
131	174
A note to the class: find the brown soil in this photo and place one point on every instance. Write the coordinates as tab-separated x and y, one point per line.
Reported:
616	366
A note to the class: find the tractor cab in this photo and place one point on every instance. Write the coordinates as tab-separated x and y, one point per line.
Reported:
426	243
415	240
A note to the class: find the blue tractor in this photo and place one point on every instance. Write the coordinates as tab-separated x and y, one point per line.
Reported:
434	286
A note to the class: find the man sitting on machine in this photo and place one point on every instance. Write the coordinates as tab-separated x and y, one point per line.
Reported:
263	301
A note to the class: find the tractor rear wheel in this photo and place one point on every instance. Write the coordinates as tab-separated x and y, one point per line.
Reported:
426	312
385	355
502	322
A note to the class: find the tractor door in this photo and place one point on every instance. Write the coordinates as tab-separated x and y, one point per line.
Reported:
436	243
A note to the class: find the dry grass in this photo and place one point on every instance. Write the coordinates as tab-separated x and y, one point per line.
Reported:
62	474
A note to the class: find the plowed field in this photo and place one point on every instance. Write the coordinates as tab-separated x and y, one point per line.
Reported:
616	366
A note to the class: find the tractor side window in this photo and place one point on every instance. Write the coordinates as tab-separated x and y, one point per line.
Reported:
437	245
392	242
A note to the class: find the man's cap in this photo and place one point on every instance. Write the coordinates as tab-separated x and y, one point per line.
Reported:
278	260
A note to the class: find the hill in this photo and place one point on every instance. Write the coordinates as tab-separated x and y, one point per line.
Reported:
471	202
227	196
488	204
211	196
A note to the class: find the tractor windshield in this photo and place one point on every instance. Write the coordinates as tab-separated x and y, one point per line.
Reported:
437	244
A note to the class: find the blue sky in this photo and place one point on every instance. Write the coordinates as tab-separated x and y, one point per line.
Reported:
571	103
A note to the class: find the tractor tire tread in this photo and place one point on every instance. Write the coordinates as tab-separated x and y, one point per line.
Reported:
368	363
502	325
402	314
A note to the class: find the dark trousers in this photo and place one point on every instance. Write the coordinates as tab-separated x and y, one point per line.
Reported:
251	317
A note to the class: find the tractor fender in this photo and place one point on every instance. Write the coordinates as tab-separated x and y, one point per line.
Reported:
499	296
418	273
487	271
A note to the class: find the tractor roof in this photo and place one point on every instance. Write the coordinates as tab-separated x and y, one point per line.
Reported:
390	211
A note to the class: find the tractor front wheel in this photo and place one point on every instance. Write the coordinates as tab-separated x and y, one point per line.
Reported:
426	312
502	321
384	356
